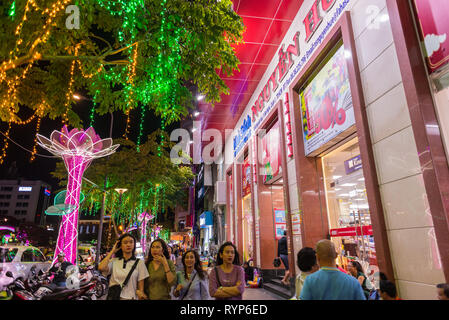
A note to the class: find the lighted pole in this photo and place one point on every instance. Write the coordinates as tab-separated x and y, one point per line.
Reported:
77	148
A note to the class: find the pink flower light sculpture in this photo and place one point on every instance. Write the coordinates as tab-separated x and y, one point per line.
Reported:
144	218
77	148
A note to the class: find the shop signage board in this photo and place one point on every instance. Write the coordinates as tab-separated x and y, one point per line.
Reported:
206	219
434	29
246	178
293	54
271	153
352	231
326	104
279	223
354	164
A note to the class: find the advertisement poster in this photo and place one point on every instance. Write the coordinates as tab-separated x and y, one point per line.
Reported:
434	29
326	104
271	151
279	223
296	224
246	178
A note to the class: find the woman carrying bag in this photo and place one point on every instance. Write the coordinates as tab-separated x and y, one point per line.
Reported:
192	282
127	272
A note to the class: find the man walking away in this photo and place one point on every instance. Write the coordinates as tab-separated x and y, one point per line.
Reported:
329	283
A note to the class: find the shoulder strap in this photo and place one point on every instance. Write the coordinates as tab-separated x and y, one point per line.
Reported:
218	278
130	272
188	288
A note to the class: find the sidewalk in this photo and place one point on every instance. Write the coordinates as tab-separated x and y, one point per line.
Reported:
259	294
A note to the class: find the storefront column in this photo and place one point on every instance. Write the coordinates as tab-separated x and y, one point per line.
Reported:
253	166
430	147
288	216
268	243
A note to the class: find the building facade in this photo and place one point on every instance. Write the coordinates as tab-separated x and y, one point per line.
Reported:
345	138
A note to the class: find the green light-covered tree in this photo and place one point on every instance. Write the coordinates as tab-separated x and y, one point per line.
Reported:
126	54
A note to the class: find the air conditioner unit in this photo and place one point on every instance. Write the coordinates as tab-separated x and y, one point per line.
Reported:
220	193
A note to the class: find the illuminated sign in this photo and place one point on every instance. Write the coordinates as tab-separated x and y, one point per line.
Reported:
47	192
25	189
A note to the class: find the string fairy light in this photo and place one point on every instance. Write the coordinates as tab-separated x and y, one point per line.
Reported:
69	93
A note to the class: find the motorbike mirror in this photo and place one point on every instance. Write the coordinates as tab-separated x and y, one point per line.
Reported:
9	274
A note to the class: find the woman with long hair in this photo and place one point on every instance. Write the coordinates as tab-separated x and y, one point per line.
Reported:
356	270
161	270
192	282
227	279
121	265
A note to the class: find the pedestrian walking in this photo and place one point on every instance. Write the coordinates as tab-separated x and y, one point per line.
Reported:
329	283
192	283
171	254
283	255
356	270
227	279
161	270
127	272
307	264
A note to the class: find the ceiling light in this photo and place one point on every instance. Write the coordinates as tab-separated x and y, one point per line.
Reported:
76	97
348	185
196	114
200	97
343	195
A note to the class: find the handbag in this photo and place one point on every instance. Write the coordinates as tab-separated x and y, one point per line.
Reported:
188	288
277	262
115	290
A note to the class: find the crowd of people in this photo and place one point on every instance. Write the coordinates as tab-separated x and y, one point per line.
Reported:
156	277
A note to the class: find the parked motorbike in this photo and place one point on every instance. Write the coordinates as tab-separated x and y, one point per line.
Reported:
42	289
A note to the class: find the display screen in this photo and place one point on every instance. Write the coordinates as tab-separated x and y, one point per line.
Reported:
326	103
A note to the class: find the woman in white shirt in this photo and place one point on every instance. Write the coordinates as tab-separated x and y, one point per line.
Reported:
119	267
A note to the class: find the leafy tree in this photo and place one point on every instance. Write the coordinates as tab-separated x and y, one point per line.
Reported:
126	54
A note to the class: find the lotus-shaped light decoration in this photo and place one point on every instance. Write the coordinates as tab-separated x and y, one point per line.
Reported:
77	148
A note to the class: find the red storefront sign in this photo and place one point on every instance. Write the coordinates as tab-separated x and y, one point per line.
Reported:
288	126
434	29
352	231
